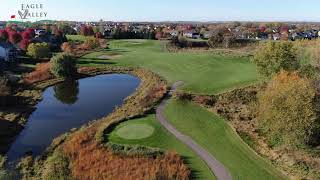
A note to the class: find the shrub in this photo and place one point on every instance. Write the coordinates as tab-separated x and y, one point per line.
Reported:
91	43
271	57
63	65
286	110
38	50
67	47
56	167
98	35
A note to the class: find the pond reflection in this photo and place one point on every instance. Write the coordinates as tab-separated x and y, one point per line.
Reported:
70	105
67	91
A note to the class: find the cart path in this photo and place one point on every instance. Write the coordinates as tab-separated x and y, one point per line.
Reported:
216	167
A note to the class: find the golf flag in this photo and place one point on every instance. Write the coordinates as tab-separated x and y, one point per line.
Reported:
13	16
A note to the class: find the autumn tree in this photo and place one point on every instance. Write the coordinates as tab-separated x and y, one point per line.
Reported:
63	65
14	37
287	112
38	50
271	57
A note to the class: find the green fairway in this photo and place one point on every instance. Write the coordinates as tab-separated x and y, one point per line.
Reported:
202	72
77	38
214	134
161	138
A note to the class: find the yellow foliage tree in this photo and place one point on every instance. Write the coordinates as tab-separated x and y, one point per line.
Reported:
286	110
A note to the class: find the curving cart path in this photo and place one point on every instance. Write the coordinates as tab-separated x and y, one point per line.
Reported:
216	167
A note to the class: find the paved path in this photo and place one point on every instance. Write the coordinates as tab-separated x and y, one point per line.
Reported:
216	167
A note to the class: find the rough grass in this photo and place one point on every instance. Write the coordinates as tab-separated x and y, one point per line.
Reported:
214	134
162	139
204	72
90	160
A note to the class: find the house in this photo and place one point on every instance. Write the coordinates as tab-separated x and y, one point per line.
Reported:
207	34
191	34
174	33
7	52
40	32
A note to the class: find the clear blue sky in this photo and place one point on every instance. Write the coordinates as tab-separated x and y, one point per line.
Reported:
171	10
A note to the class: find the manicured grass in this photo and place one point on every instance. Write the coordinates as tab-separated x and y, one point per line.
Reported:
135	131
161	138
214	134
204	72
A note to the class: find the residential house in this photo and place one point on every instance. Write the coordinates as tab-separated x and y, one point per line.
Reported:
191	34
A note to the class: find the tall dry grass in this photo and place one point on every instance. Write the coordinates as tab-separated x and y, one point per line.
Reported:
41	73
91	160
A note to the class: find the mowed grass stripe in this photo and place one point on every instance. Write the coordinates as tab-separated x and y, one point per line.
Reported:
214	134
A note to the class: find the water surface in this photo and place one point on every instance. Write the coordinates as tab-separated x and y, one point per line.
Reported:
68	105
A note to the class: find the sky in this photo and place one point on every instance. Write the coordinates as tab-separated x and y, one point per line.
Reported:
167	10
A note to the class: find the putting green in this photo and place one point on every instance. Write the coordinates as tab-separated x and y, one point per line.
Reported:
135	131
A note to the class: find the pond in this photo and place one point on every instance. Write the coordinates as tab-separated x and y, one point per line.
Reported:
68	105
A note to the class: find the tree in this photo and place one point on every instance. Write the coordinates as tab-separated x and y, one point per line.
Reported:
63	65
98	35
38	50
287	112
14	37
271	57
24	44
91	43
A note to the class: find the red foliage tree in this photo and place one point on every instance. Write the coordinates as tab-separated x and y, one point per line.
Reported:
14	37
99	35
86	30
90	31
24	44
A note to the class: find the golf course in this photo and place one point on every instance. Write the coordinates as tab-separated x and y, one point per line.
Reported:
202	73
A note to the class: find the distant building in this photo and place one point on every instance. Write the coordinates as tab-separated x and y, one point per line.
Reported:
7	52
191	34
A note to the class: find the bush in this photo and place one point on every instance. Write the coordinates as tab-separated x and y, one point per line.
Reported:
271	57
67	47
91	43
98	35
63	66
56	167
287	112
38	50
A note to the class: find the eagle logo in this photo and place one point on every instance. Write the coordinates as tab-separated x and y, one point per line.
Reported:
24	14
